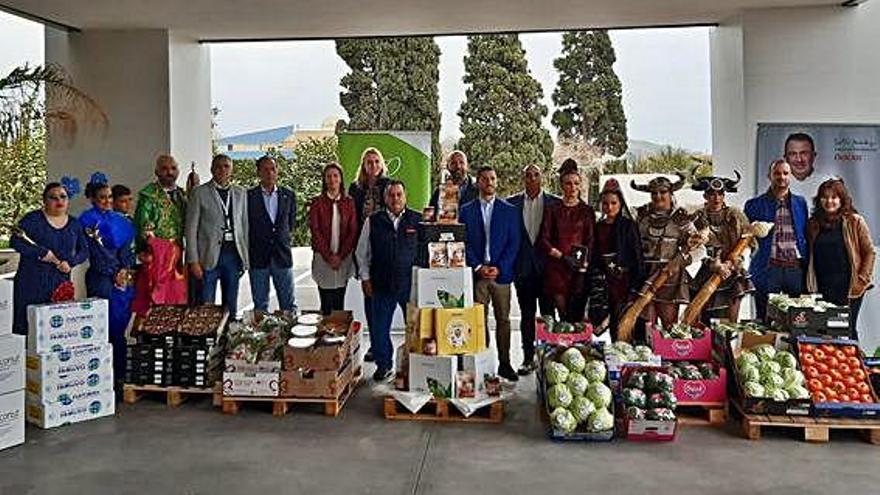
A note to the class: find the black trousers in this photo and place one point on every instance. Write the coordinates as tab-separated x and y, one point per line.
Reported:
530	295
855	305
331	300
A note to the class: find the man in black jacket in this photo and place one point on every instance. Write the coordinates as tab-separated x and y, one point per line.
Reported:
529	283
457	166
272	217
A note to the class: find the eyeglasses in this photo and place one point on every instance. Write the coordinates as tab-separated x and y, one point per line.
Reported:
62	197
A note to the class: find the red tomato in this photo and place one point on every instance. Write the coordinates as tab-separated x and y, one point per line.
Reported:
819	354
853	393
826	380
822	367
840	355
837	375
844	369
811	372
820	397
832	362
834	400
859	375
808	359
815	385
866	398
843	398
849	381
850	350
827	348
854	363
808	347
863	388
831	394
839	387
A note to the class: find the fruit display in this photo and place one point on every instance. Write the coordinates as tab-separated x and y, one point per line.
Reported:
766	372
835	373
162	319
202	320
577	394
681	331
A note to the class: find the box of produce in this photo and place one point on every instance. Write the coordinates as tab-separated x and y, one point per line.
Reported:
474	370
6	307
316	384
250	384
808	315
433	374
837	378
648	403
725	331
460	330
573	385
57	414
767	378
681	342
11	419
444	287
701	383
75	361
549	330
201	326
57	326
620	355
71	388
12	363
160	325
436	232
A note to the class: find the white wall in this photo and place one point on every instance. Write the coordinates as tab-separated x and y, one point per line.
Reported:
190	81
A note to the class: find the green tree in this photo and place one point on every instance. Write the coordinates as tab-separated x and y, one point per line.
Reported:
502	112
588	94
392	85
301	173
670	160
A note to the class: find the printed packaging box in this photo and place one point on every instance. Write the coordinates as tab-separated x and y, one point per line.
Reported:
444	288
73	388
433	374
12	359
11	419
57	414
5	307
460	331
54	327
250	384
480	365
73	361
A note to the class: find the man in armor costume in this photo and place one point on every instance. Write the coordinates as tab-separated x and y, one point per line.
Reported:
726	225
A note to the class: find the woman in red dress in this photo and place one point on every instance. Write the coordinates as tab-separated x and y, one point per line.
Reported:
565	226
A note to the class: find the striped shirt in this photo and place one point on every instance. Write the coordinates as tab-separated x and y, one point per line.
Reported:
784	248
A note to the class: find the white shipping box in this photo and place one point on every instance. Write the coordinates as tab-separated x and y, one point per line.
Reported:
54	327
79	361
57	414
11	419
433	374
480	364
242	366
12	360
71	389
6	308
251	384
445	288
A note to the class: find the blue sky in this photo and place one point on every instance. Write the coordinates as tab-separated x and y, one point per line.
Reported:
664	72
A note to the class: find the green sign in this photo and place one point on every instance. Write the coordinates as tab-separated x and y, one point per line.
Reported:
407	156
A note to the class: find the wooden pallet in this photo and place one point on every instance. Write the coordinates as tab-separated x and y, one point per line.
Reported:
442	411
815	430
174	396
702	413
281	405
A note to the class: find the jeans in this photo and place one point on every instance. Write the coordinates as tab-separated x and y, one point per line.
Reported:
331	300
282	279
227	272
530	295
779	279
380	333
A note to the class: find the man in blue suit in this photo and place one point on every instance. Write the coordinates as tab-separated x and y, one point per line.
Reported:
778	265
271	219
529	282
494	229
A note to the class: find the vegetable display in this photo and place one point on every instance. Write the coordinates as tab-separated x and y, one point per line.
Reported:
835	373
628	353
555	326
681	331
766	372
784	301
648	395
685	370
577	396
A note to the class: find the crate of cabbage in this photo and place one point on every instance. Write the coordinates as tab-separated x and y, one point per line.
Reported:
550	331
648	404
808	315
768	379
573	386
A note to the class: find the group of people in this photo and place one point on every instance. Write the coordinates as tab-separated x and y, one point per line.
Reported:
561	257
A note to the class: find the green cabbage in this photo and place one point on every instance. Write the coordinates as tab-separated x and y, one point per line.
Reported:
581	408
556	373
563	419
599	394
749	373
772	381
786	359
600	420
797	392
777	394
769	368
792	377
595	371
747	358
577	383
559	396
764	352
754	389
573	359
643	353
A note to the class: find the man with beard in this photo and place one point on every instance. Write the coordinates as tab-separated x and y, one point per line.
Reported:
457	166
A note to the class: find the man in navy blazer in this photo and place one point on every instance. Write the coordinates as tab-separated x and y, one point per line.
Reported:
272	217
529	282
494	229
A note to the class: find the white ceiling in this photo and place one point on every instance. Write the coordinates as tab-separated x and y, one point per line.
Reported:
267	19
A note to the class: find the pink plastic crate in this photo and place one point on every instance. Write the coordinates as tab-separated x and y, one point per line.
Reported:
543	336
690	392
681	349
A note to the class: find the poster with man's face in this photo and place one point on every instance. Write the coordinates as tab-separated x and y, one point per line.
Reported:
817	152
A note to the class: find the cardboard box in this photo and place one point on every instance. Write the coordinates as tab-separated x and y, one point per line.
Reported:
444	288
71	389
251	384
436	232
681	349
702	391
761	405
480	365
12	363
75	361
433	374
11	419
6	307
57	414
242	366
54	327
460	331
316	384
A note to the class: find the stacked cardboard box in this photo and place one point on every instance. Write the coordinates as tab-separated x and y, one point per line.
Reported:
69	363
12	358
174	346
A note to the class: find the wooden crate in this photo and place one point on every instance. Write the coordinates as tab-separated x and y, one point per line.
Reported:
281	405
702	414
442	411
815	430
174	396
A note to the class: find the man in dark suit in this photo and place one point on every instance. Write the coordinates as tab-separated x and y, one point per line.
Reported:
529	282
457	166
494	229
272	217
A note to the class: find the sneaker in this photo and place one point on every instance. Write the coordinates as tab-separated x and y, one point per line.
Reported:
527	368
382	374
368	357
506	371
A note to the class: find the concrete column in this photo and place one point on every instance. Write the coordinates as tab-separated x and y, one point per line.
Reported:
156	91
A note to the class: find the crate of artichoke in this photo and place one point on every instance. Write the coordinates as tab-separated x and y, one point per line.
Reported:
549	330
681	342
768	379
573	384
648	404
808	315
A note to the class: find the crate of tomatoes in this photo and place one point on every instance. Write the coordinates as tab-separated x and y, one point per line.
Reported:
837	378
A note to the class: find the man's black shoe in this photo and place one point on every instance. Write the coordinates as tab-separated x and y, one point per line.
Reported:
382	374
